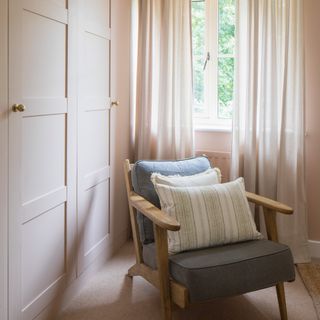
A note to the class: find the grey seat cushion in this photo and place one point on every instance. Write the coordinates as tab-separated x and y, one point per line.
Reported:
228	270
142	185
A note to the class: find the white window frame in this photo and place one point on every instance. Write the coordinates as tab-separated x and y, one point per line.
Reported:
209	120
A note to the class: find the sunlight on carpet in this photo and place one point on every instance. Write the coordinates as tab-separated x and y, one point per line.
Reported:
310	274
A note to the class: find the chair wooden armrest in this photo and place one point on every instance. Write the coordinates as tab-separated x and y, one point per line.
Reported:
170	290
269	203
157	216
270	208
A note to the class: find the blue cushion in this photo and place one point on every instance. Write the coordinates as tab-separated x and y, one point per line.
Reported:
142	185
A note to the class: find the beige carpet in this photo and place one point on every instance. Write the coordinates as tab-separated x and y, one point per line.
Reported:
112	296
310	274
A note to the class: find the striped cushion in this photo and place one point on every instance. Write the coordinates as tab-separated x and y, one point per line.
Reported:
208	177
209	215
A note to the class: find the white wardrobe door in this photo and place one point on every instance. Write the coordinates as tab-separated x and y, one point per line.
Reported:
40	153
93	130
3	159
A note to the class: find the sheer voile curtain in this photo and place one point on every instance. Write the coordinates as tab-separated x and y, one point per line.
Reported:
162	98
268	123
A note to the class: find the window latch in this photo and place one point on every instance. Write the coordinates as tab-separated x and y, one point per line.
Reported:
206	61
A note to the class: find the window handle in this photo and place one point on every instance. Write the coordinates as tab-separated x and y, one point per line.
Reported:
206	61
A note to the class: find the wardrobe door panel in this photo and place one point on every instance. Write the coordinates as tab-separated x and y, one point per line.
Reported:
96	135
43	167
96	82
97	223
42	240
43	62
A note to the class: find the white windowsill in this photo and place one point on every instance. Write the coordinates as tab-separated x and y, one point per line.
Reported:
212	129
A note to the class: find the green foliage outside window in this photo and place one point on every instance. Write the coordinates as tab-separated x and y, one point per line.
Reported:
226	64
226	26
225	87
198	43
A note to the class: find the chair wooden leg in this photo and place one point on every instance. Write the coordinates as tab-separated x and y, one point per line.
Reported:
282	301
166	308
163	272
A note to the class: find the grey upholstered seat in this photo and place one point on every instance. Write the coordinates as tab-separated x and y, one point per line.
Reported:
228	270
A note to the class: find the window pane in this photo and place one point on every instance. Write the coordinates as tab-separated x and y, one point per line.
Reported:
198	84
225	87
198	45
226	26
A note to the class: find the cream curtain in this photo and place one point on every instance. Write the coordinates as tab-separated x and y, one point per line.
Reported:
162	125
268	124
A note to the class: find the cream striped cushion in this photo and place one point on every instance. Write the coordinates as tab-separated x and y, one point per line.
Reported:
209	215
210	176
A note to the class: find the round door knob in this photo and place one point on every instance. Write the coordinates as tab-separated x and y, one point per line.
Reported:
115	103
18	108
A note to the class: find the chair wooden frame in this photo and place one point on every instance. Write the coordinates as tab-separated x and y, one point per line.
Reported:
170	290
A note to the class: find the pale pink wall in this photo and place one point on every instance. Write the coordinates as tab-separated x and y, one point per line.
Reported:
213	141
312	57
217	141
120	122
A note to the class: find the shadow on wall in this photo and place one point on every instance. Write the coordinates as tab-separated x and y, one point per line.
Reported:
71	264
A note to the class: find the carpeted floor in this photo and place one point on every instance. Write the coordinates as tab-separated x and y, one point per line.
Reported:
310	274
112	296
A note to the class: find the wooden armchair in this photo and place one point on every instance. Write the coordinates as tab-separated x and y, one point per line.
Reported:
172	291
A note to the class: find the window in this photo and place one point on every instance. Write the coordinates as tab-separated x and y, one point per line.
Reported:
213	40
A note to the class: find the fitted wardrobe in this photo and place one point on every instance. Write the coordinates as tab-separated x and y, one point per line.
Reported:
64	131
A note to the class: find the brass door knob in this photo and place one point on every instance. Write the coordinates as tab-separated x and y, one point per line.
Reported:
115	103
18	108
